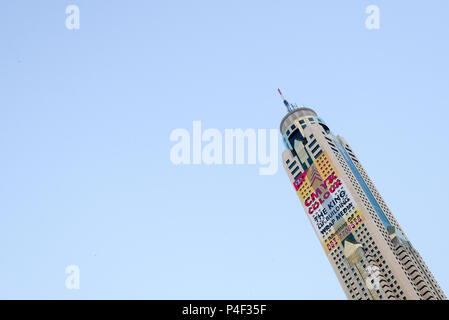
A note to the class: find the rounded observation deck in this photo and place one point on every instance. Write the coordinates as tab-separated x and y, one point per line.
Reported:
290	117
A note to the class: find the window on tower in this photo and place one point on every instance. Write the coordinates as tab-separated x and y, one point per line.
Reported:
326	128
292	164
315	149
294	171
296	135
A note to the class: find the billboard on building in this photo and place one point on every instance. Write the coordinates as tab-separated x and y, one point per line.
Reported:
328	202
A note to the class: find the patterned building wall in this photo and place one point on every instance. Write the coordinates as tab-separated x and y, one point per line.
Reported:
353	278
370	265
418	273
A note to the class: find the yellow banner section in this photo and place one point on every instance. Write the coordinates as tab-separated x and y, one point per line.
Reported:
351	224
328	202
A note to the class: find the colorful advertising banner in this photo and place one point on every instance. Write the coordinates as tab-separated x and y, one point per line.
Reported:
328	202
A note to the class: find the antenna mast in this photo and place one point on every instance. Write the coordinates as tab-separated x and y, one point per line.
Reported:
286	103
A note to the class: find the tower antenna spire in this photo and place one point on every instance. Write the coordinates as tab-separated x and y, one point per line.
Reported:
286	103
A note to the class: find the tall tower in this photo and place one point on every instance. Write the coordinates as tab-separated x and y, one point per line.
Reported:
370	254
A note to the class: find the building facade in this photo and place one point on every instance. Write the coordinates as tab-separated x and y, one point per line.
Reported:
369	252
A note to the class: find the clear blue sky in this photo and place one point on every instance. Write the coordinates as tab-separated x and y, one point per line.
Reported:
85	119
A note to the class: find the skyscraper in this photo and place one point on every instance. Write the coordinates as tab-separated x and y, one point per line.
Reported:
369	252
